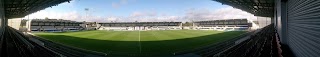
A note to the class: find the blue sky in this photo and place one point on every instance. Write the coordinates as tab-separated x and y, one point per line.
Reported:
132	10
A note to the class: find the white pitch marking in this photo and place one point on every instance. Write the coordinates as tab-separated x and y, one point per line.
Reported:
139	42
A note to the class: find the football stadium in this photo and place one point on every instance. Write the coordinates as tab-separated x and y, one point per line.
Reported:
159	28
137	38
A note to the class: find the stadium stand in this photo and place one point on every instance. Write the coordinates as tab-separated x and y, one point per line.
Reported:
89	25
223	25
259	45
53	25
293	20
16	45
141	26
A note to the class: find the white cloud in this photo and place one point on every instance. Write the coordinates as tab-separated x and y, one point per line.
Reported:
156	19
144	13
223	13
73	15
137	14
149	15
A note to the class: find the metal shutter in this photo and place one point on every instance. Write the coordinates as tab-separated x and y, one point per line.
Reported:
304	27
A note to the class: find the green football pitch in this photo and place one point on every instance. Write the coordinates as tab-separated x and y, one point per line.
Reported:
141	42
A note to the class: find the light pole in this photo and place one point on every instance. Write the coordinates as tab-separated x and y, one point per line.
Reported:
86	17
86	9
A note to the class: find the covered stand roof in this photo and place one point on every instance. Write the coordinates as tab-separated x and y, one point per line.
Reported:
21	8
264	8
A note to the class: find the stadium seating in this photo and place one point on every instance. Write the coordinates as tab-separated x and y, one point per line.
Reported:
15	44
223	25
140	26
54	25
48	28
35	28
259	44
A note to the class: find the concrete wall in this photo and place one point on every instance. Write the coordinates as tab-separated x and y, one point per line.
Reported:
15	23
263	21
281	20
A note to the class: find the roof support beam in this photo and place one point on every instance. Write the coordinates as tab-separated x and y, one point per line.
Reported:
263	8
21	8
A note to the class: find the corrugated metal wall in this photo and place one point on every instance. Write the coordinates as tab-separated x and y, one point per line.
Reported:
304	27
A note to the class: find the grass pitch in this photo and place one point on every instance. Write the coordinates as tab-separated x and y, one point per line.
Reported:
140	42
